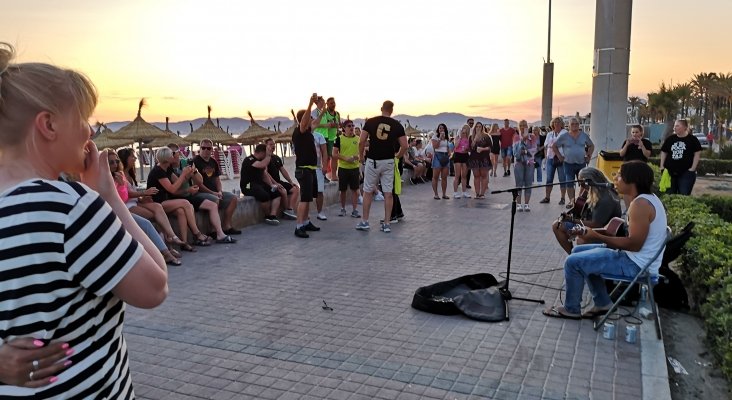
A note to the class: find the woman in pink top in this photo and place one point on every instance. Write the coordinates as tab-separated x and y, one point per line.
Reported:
140	202
460	159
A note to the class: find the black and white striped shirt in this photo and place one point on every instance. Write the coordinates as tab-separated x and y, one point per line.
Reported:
62	251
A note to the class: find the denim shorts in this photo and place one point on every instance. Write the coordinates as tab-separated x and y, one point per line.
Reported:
507	152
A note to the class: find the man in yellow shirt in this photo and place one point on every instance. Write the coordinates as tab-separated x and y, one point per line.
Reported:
345	150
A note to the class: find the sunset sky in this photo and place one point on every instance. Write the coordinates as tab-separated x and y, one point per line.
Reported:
481	58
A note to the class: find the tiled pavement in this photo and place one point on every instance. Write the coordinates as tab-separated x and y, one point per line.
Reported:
246	320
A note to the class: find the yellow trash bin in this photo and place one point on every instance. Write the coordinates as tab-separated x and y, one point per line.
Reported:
609	163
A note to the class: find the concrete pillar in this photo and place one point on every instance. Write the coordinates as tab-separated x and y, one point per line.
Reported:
610	73
547	93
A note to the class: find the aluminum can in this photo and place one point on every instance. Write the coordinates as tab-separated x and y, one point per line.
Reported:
631	333
608	331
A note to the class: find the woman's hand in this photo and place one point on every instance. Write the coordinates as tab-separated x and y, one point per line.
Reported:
150	191
193	189
96	174
20	357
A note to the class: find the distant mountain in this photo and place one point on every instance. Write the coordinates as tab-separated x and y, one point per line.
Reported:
238	125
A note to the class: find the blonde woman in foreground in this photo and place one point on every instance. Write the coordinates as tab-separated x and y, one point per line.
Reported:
71	255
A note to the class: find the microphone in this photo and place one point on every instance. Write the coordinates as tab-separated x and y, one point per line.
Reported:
608	185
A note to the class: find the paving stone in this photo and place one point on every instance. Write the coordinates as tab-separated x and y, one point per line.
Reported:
241	322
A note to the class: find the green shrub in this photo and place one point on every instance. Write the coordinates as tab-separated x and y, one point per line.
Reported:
706	268
720	205
715	167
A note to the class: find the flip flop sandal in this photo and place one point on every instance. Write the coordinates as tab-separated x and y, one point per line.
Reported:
555	312
188	247
175	253
227	239
174	240
593	313
202	243
176	262
446	197
437	197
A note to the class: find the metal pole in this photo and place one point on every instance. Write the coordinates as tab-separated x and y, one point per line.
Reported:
547	87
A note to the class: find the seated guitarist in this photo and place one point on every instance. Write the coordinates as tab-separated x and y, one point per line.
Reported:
616	255
600	206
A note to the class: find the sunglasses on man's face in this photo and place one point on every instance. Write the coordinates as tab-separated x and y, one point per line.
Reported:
206	148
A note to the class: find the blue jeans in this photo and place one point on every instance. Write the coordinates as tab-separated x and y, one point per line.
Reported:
537	165
523	175
683	183
150	231
550	169
585	264
571	172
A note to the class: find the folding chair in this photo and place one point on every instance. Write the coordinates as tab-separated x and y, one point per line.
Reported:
644	278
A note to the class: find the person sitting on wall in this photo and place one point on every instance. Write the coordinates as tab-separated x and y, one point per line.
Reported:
256	183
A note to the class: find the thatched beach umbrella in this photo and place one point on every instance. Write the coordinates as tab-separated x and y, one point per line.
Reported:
412	132
139	131
170	138
210	131
103	140
254	133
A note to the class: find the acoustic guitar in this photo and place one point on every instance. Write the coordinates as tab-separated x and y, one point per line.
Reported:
615	227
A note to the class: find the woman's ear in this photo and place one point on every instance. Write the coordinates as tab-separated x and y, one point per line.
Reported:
44	123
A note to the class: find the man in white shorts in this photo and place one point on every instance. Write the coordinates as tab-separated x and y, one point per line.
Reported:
387	141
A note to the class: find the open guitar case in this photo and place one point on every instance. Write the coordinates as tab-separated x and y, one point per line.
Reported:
475	296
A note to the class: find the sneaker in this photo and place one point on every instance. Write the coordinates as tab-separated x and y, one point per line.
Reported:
326	180
385	228
456	195
360	199
505	173
271	220
300	232
342	213
362	226
412	181
561	202
322	217
289	214
310	227
468	187
467	195
355	214
379	197
393	220
508	172
520	207
545	200
401	217
526	208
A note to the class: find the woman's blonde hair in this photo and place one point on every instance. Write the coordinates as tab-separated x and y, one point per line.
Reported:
595	192
494	128
29	88
164	154
111	152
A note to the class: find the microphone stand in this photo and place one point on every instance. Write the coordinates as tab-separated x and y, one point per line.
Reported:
504	290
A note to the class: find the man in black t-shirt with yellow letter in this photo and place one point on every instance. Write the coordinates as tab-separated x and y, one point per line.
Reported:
384	135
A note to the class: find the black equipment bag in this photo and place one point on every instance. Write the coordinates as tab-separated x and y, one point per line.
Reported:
475	296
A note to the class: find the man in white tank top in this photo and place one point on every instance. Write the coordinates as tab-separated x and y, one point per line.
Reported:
616	255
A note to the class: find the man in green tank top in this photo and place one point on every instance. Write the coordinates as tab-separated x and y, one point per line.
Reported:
328	125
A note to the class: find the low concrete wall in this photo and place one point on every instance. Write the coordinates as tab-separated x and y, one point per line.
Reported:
249	212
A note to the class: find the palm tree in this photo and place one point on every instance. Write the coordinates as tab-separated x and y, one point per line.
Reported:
665	104
684	93
702	84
